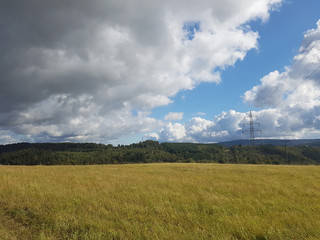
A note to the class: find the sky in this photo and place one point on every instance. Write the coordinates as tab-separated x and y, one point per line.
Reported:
124	71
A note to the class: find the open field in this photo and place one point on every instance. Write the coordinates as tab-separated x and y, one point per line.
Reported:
160	201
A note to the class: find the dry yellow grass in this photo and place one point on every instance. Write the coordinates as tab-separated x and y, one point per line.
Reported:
160	201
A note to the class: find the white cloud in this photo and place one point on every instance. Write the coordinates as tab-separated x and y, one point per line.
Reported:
224	127
229	126
173	133
291	100
174	116
293	95
270	92
78	71
298	84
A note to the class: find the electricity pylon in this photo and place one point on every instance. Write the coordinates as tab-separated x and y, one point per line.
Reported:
252	129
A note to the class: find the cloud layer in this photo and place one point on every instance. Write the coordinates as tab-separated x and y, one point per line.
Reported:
93	70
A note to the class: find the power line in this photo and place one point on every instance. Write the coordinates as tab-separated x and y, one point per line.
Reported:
300	82
296	64
295	67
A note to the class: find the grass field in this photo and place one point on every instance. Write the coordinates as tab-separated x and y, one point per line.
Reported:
160	201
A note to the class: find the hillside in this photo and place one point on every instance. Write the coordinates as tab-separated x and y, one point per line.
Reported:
275	142
152	151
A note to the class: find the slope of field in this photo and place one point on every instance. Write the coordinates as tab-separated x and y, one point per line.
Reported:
160	201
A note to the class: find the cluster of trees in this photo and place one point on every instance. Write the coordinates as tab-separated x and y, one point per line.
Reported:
153	151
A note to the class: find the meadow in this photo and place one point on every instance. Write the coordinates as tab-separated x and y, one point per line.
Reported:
160	201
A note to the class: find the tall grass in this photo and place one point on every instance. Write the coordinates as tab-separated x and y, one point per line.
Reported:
160	201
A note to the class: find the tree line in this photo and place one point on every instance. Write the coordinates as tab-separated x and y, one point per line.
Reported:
152	152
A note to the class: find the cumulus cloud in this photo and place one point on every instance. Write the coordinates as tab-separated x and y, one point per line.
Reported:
298	84
80	70
174	116
290	102
226	126
233	125
292	98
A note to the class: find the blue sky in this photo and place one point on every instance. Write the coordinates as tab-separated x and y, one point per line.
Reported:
185	71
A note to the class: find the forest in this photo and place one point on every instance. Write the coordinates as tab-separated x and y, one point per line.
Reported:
154	152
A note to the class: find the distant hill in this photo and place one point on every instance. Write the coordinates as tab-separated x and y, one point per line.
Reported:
274	142
263	152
